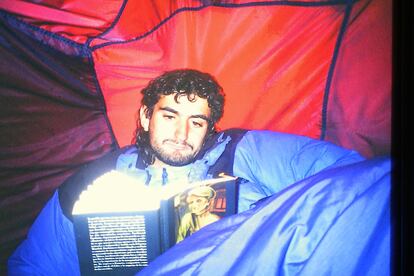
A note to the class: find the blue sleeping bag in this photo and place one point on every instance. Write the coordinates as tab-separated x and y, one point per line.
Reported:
336	222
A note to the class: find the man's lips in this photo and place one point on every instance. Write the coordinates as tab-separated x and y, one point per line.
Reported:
177	146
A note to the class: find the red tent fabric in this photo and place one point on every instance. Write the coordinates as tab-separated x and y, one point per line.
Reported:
71	72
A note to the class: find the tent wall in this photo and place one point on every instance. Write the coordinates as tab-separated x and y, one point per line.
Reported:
359	101
52	121
71	72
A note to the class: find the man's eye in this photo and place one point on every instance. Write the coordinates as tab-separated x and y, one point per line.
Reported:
168	117
197	124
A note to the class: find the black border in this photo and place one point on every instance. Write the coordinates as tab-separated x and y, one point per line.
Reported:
402	140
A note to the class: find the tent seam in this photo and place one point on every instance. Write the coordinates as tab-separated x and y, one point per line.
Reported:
102	100
114	22
250	4
335	54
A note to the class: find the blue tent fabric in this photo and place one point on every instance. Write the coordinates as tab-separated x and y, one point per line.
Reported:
336	222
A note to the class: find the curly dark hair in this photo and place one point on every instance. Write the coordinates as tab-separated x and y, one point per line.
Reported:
188	82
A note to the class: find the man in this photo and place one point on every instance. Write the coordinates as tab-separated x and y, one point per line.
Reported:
176	139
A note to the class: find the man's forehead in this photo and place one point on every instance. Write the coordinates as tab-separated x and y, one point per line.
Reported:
193	106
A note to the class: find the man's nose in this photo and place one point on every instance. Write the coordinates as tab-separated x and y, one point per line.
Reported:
181	131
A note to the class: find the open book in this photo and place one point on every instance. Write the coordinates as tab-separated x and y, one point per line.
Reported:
121	225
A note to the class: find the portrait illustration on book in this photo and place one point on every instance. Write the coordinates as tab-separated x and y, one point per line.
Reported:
199	207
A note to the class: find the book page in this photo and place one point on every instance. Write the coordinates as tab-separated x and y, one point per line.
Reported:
117	244
118	192
118	241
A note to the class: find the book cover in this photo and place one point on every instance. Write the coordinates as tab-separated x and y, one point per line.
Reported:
122	225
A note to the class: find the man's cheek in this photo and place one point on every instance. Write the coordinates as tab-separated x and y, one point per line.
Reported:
197	140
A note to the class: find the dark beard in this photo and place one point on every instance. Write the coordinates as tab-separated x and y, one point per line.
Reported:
175	160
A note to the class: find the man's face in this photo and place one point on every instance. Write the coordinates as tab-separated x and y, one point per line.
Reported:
176	129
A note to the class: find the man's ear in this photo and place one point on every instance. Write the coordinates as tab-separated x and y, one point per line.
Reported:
144	119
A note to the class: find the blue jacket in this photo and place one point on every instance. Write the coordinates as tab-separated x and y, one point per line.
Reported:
270	162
